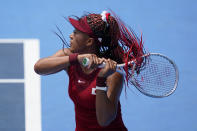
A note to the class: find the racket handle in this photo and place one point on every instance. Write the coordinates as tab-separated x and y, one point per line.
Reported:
86	61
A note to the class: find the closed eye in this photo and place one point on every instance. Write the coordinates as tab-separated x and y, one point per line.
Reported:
75	31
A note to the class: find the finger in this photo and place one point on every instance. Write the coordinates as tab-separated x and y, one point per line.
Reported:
91	61
112	65
94	65
107	64
97	61
115	65
101	61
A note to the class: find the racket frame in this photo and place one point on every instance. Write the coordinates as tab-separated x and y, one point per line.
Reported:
119	66
176	81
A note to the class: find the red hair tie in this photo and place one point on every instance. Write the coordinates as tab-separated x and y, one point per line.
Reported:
107	16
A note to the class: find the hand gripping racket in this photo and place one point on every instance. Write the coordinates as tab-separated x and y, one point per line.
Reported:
158	77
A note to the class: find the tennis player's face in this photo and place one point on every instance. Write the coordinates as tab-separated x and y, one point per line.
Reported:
78	41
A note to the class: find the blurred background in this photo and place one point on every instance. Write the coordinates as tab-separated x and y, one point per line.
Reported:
168	27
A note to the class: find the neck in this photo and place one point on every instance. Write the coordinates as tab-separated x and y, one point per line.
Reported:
87	50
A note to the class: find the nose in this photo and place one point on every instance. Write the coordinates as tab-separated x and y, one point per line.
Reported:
71	36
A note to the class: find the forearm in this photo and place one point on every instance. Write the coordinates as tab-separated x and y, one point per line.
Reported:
51	65
105	109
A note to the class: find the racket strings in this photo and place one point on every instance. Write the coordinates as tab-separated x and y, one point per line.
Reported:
157	78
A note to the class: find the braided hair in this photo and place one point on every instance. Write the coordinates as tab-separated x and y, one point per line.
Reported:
109	34
118	42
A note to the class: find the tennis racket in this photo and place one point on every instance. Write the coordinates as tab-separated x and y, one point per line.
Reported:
157	78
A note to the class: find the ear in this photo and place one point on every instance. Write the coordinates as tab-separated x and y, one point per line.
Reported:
90	41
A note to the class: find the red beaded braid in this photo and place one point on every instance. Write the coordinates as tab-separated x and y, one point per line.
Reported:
131	47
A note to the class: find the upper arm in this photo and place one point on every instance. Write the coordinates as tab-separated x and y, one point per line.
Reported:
52	64
115	85
62	52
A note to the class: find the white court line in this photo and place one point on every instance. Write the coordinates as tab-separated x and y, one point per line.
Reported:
12	81
32	87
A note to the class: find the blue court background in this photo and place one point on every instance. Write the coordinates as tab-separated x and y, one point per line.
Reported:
168	27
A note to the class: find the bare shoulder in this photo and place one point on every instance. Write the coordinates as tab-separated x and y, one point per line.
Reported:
115	85
62	52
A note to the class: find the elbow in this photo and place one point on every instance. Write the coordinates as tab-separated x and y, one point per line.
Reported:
37	69
104	121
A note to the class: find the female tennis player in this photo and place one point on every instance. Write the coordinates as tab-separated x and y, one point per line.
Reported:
94	91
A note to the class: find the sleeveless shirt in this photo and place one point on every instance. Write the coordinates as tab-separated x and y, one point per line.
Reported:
82	92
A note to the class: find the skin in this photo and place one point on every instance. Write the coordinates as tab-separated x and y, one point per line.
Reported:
106	102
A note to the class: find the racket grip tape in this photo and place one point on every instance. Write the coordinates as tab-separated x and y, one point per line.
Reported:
85	62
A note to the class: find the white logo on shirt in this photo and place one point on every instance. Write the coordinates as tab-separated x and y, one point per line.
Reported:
93	91
81	82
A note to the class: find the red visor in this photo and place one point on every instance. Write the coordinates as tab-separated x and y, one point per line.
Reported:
82	25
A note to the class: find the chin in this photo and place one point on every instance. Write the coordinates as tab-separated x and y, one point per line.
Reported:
73	50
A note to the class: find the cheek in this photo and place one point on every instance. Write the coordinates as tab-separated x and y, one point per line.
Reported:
77	45
81	41
78	42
